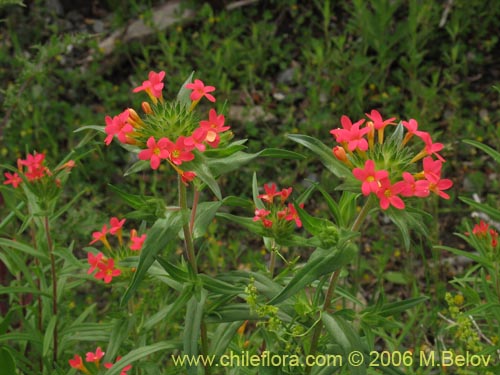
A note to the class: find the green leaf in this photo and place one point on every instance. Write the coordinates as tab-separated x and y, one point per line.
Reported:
493	213
405	220
6	243
332	205
218	286
183	96
324	153
49	335
320	263
192	325
491	152
280	154
344	334
247	222
224	152
7	363
118	335
231	313
168	311
139	353
255	193
397	307
222	337
205	213
163	233
138	166
99	128
324	229
199	165
174	272
237	202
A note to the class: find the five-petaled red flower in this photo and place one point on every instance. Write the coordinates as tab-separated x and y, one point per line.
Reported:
200	90
154	85
155	152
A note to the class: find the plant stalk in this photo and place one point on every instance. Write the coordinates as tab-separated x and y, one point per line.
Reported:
50	247
189	245
334	278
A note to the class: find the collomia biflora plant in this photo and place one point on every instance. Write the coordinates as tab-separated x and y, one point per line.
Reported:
276	317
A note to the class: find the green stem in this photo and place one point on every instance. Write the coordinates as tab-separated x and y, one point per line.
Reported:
272	261
54	282
189	245
188	238
334	277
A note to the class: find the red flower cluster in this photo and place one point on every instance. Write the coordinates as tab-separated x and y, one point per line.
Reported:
484	231
278	210
95	358
106	266
389	185
34	169
176	149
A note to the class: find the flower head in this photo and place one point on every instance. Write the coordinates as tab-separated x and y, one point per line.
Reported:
200	90
119	126
153	86
156	151
107	271
12	179
137	241
213	127
95	357
271	192
369	177
179	152
94	261
388	194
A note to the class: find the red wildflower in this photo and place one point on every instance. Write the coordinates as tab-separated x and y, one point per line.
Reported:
137	241
153	86
13	179
343	134
35	167
116	228
101	236
178	151
187	176
388	194
429	149
369	177
293	214
200	90
107	271
260	214
119	126
285	193
213	126
411	187
412	128
123	370
156	151
95	357
438	186
494	237
94	260
378	122
481	229
196	139
271	192
77	362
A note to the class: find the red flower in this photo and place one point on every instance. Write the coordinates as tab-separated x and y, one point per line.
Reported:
137	241
370	177
119	126
271	192
123	370
107	271
77	362
95	357
94	261
388	194
260	214
412	188
196	139
35	167
343	134
156	151
187	176
293	214
153	86
213	126
481	229
101	236
178	152
13	179
200	90
116	225
438	186
285	193
378	122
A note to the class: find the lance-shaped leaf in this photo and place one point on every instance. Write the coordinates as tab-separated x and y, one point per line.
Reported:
346	337
183	96
192	326
162	233
324	153
320	263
